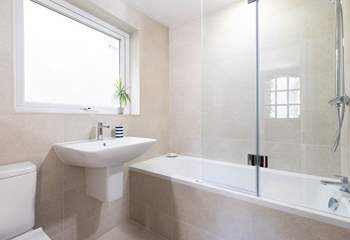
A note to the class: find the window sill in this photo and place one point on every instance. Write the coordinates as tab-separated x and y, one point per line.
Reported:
71	110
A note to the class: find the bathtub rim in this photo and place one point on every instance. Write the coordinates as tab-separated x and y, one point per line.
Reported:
252	198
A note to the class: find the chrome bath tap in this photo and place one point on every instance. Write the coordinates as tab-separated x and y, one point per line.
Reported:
100	127
343	183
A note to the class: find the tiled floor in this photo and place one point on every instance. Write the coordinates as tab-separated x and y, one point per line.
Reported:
130	231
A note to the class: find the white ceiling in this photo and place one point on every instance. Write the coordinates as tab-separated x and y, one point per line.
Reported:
175	12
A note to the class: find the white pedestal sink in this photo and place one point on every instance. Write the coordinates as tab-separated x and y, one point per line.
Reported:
103	161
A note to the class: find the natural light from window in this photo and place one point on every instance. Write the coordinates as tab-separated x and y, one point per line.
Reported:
67	62
283	98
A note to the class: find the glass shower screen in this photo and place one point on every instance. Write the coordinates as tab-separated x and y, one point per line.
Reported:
229	120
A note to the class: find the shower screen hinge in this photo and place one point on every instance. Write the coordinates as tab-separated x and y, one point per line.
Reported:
264	160
251	1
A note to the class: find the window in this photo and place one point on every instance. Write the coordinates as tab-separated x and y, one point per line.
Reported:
283	98
68	60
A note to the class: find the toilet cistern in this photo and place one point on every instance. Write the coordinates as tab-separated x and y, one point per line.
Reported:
17	191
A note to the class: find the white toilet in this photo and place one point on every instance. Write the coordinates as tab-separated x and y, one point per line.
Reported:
17	202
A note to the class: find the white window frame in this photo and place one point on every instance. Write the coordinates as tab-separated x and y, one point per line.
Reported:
83	17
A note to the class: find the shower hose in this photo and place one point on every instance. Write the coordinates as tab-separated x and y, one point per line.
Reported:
340	115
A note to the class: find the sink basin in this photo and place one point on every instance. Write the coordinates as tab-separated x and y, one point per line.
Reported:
103	162
103	153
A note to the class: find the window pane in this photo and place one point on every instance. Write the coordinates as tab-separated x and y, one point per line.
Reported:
67	62
281	97
294	83
294	111
273	98
281	111
282	83
273	84
294	97
270	112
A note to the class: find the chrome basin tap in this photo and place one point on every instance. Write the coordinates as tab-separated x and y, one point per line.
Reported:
100	127
343	183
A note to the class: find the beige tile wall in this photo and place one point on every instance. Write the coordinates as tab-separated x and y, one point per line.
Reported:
228	93
181	212
63	208
185	84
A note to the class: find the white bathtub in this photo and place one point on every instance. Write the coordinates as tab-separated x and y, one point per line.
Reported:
294	193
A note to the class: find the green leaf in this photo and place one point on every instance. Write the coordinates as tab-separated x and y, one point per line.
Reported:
121	93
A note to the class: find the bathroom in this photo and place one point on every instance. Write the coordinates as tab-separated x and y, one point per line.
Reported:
178	119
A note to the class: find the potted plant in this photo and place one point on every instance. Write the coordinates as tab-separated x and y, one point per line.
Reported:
121	95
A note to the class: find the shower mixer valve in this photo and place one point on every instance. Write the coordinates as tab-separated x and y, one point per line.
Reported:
340	100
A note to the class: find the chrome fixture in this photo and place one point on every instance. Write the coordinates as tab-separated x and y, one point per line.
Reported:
343	182
100	127
341	99
263	160
333	204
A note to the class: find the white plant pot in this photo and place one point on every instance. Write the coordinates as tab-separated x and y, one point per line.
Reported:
120	110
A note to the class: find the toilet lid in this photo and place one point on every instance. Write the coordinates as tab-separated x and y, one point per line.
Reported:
37	234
